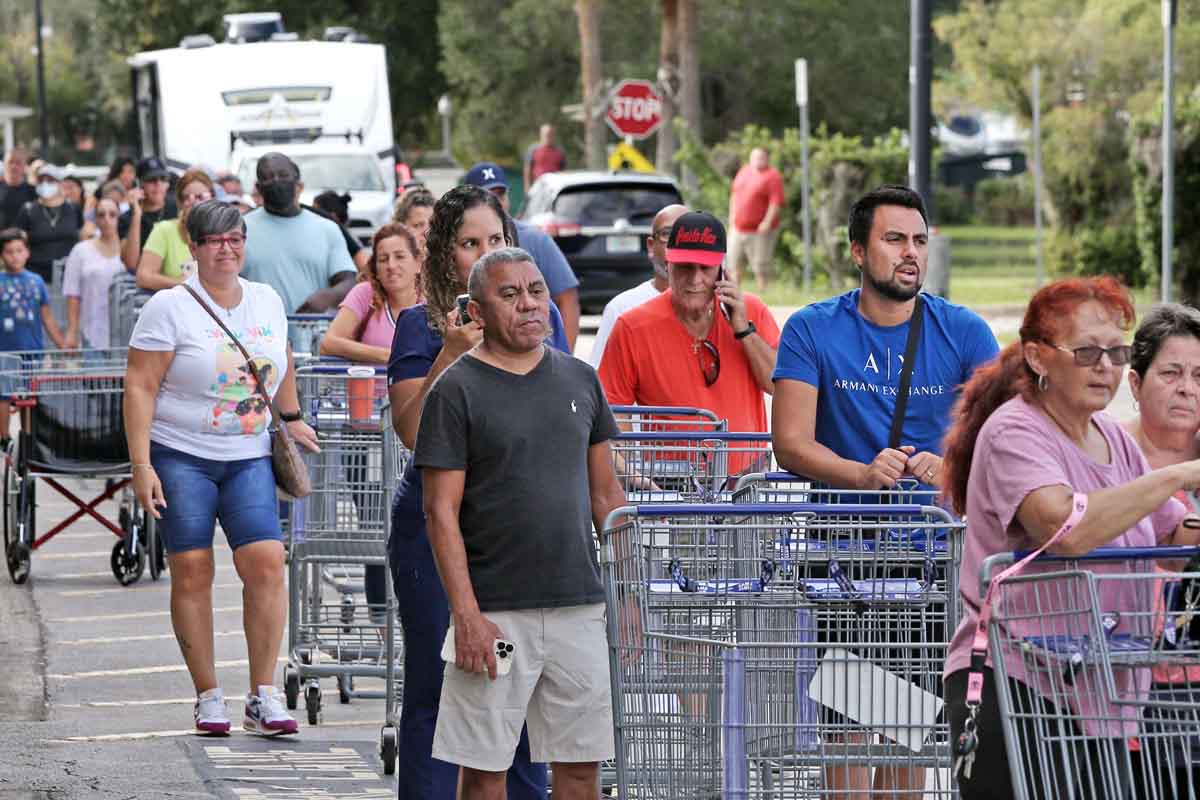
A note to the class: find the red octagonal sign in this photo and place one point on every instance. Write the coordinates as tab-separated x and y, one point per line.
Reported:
634	109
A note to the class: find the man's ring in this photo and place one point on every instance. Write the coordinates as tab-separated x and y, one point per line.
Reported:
929	472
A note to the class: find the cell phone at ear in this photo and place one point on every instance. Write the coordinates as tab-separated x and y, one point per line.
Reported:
724	306
463	316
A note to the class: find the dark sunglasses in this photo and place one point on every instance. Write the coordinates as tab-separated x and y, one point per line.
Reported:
1089	356
710	361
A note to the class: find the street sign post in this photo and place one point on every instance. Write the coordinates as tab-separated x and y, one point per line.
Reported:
634	109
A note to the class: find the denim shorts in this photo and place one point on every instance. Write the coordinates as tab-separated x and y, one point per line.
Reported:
199	491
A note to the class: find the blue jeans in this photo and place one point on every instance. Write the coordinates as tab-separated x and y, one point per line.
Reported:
425	617
200	491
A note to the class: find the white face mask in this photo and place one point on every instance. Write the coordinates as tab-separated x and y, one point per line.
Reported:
47	190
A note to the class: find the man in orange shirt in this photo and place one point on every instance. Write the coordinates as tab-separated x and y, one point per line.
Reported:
703	343
755	210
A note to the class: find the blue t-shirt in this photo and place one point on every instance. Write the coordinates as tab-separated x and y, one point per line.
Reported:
295	256
855	366
549	259
414	347
22	296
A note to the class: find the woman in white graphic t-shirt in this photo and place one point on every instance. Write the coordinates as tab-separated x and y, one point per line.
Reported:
200	450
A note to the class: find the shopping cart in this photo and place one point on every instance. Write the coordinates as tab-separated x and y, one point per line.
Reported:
668	418
395	460
70	407
334	534
125	302
687	466
761	650
1073	642
305	332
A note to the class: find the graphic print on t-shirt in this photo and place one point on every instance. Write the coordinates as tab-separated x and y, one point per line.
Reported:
241	409
21	298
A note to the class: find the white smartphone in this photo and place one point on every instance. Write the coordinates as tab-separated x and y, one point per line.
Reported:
504	652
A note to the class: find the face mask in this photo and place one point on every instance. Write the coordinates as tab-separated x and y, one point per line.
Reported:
47	190
279	196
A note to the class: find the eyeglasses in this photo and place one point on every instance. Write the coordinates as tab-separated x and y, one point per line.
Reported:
197	198
235	241
710	361
662	235
1089	356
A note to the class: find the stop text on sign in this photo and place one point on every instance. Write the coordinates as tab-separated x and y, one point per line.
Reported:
638	109
634	109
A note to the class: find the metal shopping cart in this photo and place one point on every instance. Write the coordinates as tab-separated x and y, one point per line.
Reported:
70	406
687	465
335	533
305	332
125	302
1074	644
395	460
668	418
761	650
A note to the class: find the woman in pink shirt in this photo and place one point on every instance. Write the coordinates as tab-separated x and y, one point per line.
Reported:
1164	378
1029	432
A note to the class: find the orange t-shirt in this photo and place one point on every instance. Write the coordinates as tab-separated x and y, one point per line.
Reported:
650	360
754	191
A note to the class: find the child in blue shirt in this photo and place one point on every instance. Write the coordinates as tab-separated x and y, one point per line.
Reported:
24	310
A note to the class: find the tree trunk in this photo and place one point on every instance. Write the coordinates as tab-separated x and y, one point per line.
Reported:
689	69
668	86
591	67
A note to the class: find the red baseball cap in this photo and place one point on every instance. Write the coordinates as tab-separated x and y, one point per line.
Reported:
697	238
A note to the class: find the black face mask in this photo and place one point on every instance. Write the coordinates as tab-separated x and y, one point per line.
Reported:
279	197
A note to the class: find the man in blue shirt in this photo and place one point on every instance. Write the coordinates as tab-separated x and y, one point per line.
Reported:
838	370
560	278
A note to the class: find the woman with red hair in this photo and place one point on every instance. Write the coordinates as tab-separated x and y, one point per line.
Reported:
1029	446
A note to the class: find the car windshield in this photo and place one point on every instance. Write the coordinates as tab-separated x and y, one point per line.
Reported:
595	205
318	172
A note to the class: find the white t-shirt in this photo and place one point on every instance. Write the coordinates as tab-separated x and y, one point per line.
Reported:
87	275
630	298
208	405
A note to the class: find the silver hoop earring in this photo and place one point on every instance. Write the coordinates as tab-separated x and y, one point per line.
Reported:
1041	383
1135	405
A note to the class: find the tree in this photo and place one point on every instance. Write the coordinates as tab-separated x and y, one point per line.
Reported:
668	85
591	77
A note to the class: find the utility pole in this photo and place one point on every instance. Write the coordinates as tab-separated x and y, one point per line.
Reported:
43	118
805	209
1037	171
920	115
592	69
1169	12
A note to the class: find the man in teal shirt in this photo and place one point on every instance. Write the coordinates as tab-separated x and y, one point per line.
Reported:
301	255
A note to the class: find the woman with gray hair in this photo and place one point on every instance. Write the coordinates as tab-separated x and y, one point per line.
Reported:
200	452
1164	378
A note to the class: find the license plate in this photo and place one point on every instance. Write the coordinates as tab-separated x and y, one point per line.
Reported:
622	244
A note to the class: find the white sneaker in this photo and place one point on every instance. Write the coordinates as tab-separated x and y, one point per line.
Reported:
210	713
266	713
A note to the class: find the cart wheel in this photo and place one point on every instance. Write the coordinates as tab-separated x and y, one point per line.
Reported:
312	703
291	686
389	745
16	551
127	569
17	556
345	687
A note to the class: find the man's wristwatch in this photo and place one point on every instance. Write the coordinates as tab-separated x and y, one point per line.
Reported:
743	334
291	416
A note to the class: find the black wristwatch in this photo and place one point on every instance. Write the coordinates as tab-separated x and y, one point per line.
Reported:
743	334
294	416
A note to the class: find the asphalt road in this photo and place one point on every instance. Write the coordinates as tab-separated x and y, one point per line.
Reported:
95	702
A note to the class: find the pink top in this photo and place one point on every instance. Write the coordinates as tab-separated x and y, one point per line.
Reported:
381	327
1018	451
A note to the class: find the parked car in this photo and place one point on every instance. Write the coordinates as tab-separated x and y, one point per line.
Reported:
600	221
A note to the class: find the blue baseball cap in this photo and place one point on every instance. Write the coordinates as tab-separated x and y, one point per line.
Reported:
486	175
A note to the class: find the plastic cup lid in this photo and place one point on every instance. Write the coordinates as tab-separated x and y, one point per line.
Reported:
360	372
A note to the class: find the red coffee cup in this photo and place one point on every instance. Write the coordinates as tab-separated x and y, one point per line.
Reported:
360	391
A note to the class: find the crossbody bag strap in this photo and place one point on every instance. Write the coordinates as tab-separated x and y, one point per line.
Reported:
910	358
245	353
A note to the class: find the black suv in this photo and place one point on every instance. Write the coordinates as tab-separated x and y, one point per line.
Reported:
600	220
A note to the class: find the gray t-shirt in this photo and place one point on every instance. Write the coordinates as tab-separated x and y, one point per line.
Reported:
523	441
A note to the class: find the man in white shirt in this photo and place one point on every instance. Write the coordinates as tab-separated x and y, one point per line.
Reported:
656	244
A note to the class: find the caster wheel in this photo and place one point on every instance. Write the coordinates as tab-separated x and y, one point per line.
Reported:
347	613
127	569
291	686
389	741
345	687
312	703
17	556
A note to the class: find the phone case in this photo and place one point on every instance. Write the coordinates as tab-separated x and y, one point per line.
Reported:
449	655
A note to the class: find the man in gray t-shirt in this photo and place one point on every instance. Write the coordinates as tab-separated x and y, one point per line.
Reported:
513	448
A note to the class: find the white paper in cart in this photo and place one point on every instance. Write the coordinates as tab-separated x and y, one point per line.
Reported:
875	698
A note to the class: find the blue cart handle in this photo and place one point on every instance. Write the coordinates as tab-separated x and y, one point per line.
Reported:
1165	553
691	436
733	509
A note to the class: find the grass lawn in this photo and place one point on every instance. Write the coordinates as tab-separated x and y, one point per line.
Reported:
992	270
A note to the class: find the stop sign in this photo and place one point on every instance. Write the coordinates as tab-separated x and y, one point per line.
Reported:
634	109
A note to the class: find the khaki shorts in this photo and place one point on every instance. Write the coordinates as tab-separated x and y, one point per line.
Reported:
758	249
559	685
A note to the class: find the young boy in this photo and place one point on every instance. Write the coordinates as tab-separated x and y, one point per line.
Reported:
24	309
